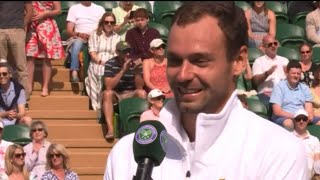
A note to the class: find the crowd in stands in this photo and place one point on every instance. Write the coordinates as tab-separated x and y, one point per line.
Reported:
127	58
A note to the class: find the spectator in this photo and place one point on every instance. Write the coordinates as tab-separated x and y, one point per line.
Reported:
36	150
155	68
12	98
79	27
123	18
14	162
122	79
14	18
141	36
209	135
311	143
58	164
102	47
3	148
315	91
268	69
156	101
313	25
261	22
308	67
45	42
288	96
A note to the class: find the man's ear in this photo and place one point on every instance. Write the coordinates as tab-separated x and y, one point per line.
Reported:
240	61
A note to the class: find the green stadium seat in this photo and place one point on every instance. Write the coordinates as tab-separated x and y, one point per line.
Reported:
130	110
280	11
18	134
253	54
61	20
243	5
291	54
108	5
300	19
163	11
65	5
256	106
146	5
314	130
316	55
290	35
163	30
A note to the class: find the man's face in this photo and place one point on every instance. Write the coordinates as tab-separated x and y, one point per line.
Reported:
293	76
141	22
271	47
4	76
300	123
127	5
198	71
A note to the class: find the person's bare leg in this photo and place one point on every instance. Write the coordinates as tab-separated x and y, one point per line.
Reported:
46	72
30	70
108	112
26	120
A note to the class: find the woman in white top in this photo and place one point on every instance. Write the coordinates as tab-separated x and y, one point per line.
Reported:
102	47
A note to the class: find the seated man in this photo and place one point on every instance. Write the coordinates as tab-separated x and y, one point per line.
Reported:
311	143
268	69
313	25
82	19
290	95
141	36
12	98
122	79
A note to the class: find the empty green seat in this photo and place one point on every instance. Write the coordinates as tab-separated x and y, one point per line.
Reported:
279	9
314	130
290	35
253	54
130	110
163	30
107	5
18	134
300	19
316	55
61	20
291	54
256	106
243	5
163	11
65	5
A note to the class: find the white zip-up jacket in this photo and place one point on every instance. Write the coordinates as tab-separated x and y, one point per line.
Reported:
234	144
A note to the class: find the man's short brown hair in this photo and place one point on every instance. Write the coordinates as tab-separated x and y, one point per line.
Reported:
141	13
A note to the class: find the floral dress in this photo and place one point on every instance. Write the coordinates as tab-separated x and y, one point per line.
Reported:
307	76
45	40
159	79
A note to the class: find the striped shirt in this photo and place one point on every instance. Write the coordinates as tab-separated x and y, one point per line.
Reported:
126	82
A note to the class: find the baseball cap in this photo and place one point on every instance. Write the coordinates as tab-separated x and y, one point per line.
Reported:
155	93
156	43
122	45
3	61
301	112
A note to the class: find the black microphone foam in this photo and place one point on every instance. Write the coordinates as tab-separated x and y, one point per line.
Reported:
149	142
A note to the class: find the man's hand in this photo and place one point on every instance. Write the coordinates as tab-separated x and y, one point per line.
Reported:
38	16
12	114
84	36
271	70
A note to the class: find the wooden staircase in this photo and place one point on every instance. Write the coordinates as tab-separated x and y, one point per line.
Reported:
70	122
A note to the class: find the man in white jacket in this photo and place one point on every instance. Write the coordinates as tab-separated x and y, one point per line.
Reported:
210	134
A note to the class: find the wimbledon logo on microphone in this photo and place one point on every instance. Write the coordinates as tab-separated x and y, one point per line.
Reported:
146	134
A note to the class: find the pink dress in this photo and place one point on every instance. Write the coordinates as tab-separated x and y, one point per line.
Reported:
45	40
158	78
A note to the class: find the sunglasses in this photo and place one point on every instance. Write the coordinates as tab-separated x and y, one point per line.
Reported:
37	129
305	119
55	155
125	51
109	22
305	52
20	155
159	98
160	47
3	74
272	43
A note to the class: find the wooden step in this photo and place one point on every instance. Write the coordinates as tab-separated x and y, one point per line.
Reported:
76	131
91	177
54	63
59	93
57	75
59	102
98	142
61	86
89	159
89	170
63	114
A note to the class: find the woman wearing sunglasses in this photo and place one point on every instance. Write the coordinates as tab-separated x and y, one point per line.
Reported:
14	162
102	47
308	68
36	150
58	164
156	101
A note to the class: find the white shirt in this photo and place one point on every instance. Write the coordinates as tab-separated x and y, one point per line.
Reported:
312	146
233	144
85	18
263	64
3	148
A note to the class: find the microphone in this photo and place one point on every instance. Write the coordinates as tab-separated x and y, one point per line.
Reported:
148	147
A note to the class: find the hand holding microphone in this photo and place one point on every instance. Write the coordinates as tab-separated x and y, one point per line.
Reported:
148	147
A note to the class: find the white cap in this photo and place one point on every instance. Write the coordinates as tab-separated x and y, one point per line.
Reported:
300	112
156	43
155	93
3	61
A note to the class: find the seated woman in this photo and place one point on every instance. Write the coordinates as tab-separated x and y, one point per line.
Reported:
102	47
155	98
14	163
58	164
154	69
37	149
315	91
261	21
308	68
